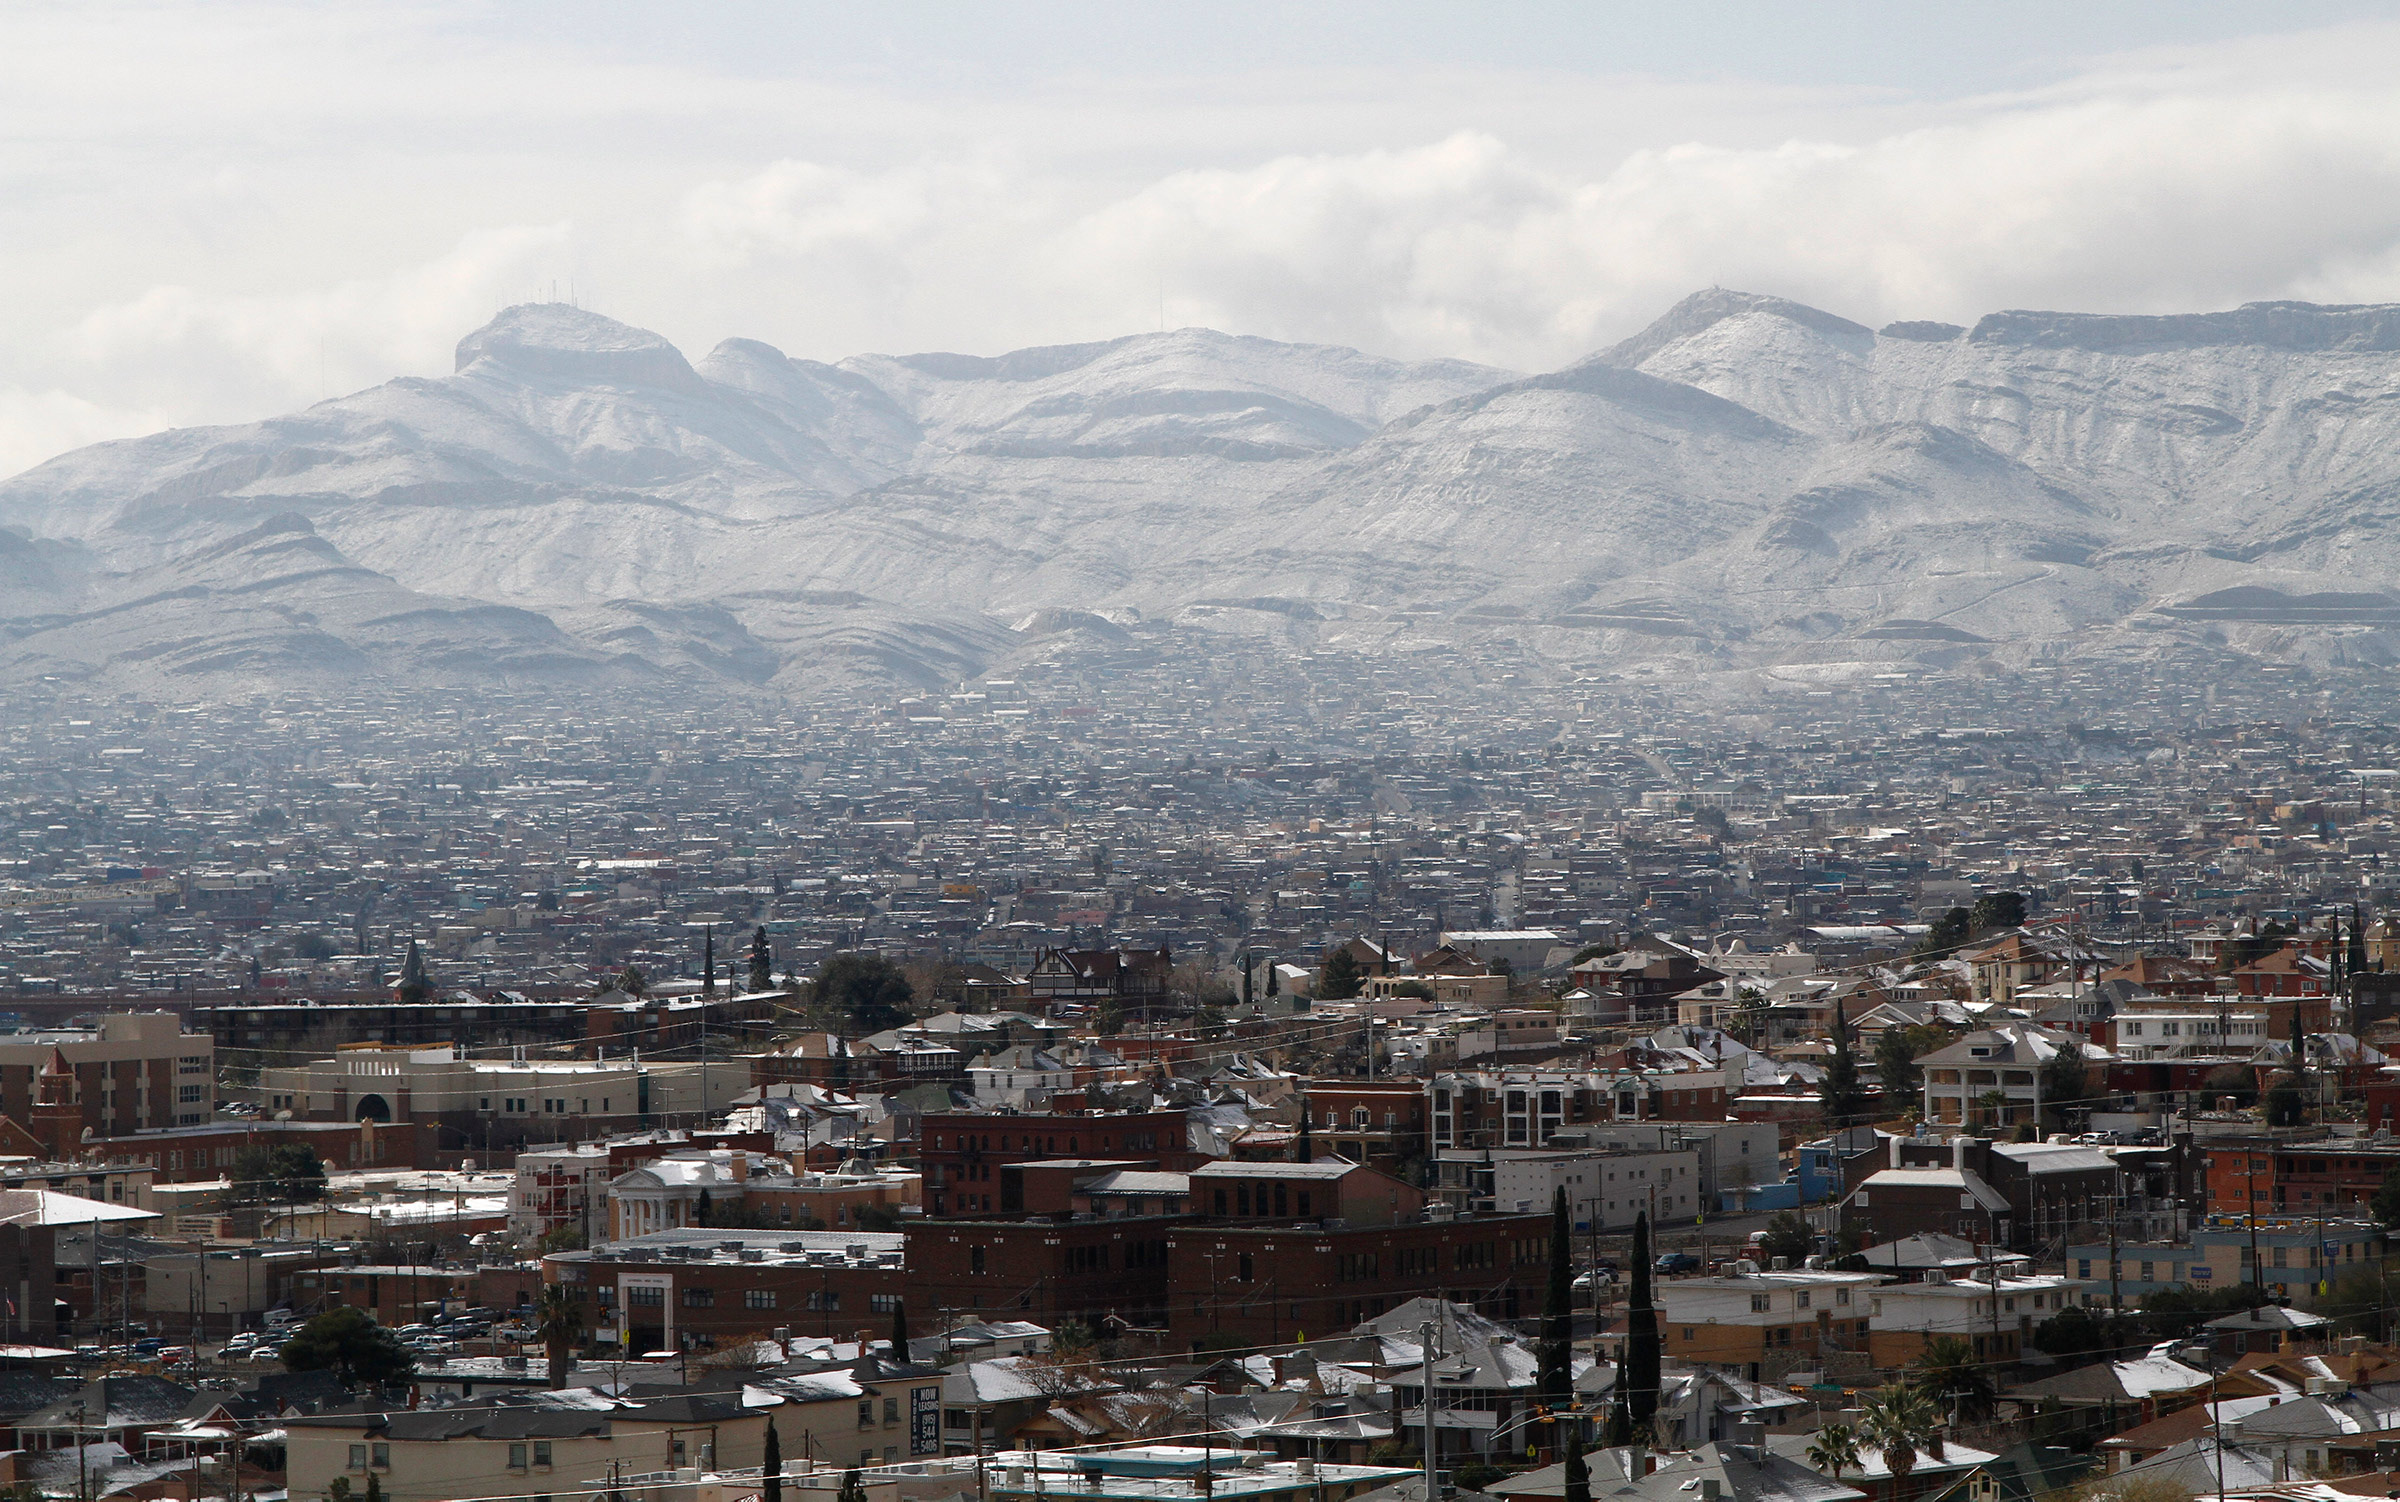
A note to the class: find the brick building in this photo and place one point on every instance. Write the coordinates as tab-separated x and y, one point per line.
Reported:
1265	1283
1094	1271
696	1287
136	1070
963	1153
2285	1176
398	1294
1379	1122
187	1155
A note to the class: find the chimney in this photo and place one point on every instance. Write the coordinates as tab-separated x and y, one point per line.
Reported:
741	1166
1896	1152
1958	1152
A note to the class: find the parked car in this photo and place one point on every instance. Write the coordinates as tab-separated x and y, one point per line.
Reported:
1676	1262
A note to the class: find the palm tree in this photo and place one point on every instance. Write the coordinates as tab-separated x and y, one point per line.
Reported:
558	1320
1898	1418
1948	1370
1834	1450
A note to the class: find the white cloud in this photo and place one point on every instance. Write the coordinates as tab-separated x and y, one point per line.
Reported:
235	217
281	348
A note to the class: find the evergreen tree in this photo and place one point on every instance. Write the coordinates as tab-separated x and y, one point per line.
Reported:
416	983
1640	1376
2358	942
2299	1055
2065	1080
899	1330
374	1488
1896	1053
703	1207
2386	1203
770	1470
1999	910
1844	1099
708	961
867	988
762	963
1620	1418
1555	1383
1339	978
1579	1475
1949	933
1308	1145
853	1489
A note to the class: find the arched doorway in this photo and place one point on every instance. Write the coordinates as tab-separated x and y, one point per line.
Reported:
374	1108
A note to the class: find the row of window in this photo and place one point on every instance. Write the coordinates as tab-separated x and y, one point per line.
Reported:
551	1105
1760	1303
981	1142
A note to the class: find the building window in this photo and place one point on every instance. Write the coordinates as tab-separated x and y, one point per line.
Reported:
758	1298
825	1299
380	1456
516	1457
646	1296
866	1420
699	1298
883	1303
541	1452
891	1410
1760	1303
358	1457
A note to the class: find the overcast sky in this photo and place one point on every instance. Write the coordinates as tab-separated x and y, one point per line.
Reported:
214	214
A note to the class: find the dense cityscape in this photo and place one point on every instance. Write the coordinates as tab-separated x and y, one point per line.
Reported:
1882	1086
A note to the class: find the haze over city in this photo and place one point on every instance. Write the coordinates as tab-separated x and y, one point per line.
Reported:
1334	754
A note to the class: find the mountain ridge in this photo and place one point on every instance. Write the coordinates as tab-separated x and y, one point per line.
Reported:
1747	482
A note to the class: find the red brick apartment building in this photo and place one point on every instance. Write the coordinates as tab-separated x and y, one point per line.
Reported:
1268	1283
1193	1277
2266	1176
963	1152
1379	1121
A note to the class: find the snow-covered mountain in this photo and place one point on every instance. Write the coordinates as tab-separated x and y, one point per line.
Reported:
1746	482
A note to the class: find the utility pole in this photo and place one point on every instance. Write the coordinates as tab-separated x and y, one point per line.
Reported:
1425	1344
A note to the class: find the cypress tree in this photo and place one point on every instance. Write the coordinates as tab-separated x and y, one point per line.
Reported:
2358	942
416	985
708	962
771	1467
1556	1380
762	963
1579	1475
1844	1100
1308	1145
1620	1419
899	1331
1639	1379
